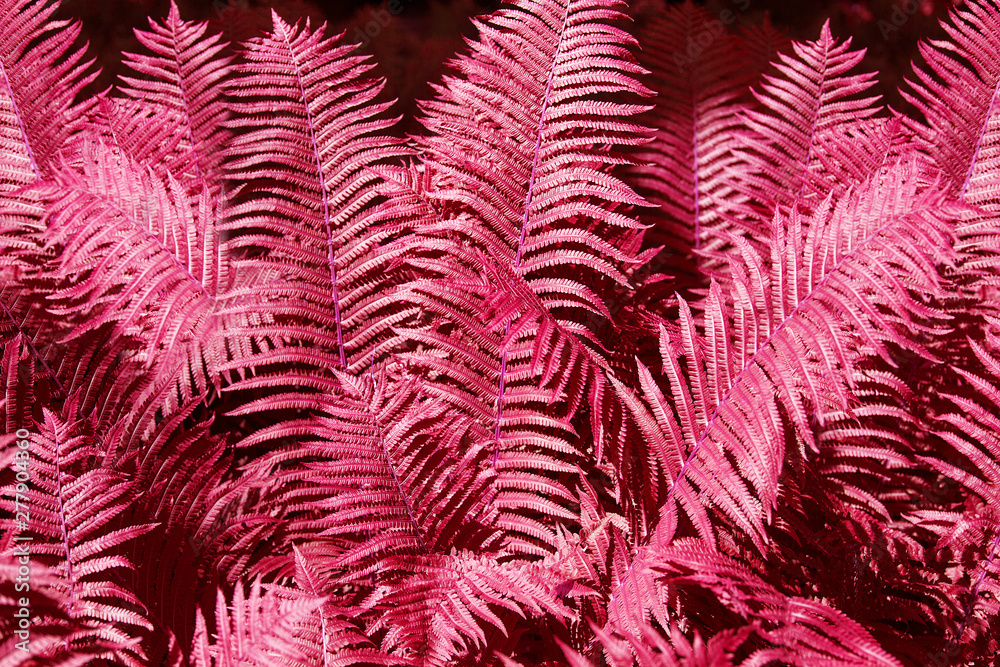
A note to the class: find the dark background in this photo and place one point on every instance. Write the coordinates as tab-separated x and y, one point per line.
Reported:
412	47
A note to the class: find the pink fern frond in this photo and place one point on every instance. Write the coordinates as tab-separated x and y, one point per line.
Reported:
41	73
184	75
811	101
314	133
252	631
74	495
133	252
684	170
960	131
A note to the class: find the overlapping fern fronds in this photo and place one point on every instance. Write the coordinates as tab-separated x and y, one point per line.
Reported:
687	366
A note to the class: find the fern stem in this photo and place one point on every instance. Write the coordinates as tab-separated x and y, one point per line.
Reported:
326	200
695	157
184	98
815	123
62	525
524	223
324	636
102	104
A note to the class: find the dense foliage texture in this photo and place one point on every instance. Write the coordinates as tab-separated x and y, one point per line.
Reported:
660	345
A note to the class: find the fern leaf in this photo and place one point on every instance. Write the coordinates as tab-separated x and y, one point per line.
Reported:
253	631
41	72
378	479
969	430
337	636
684	170
960	131
134	253
544	221
794	343
810	102
543	199
313	134
74	496
442	611
184	77
802	632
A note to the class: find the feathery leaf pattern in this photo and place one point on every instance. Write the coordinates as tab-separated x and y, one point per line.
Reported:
644	351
